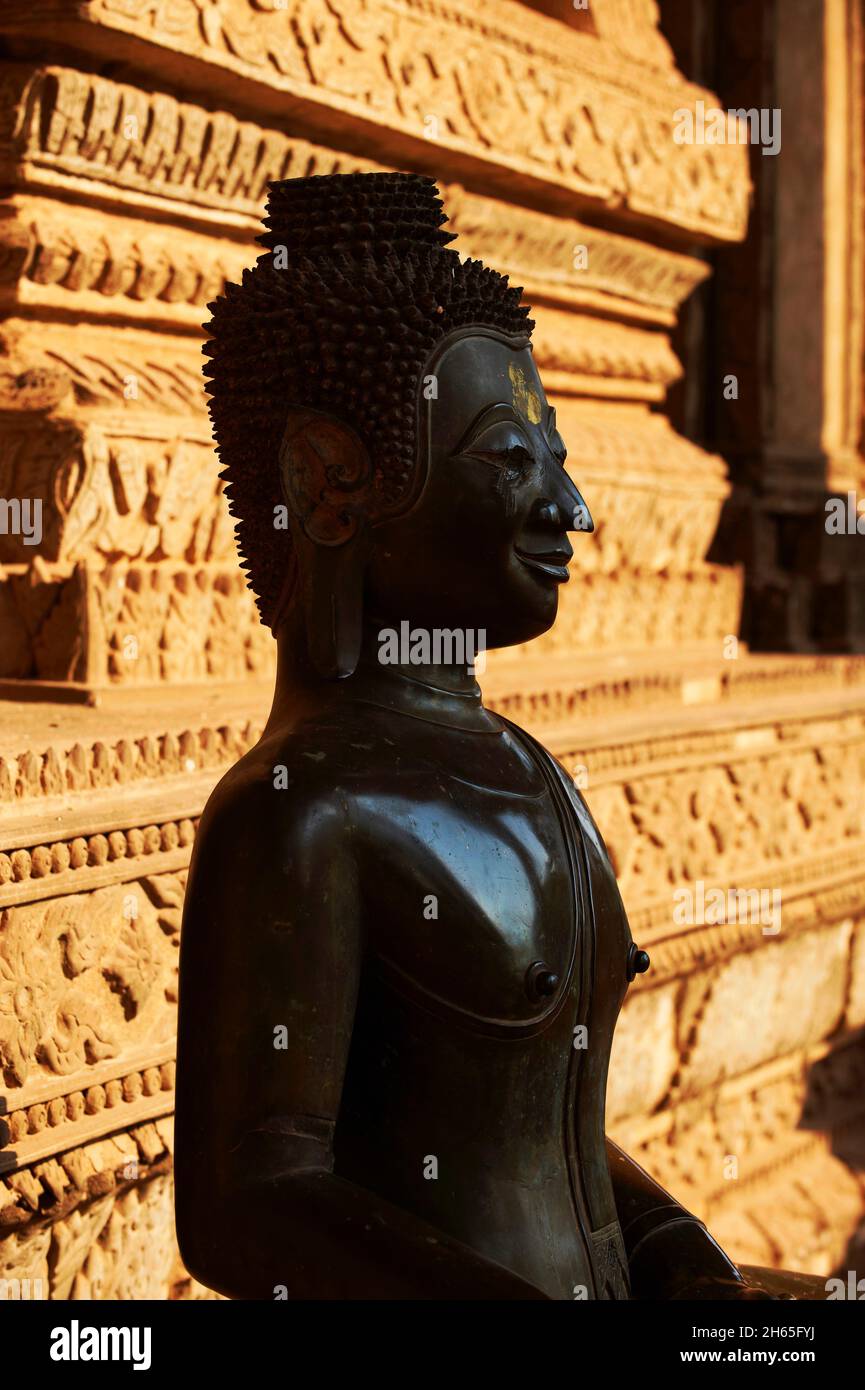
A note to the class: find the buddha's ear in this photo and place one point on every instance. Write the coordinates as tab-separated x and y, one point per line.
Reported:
326	474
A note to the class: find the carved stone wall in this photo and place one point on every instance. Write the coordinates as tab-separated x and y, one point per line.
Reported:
136	145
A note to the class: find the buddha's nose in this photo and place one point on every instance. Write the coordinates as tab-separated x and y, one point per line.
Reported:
569	511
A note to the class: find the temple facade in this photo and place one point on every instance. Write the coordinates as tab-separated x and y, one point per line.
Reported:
699	313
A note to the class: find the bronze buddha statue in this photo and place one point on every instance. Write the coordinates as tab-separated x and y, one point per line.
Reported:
404	949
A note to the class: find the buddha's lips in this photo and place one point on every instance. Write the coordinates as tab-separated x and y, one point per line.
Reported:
553	563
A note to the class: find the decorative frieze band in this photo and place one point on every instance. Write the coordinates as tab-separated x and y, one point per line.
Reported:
104	764
167	274
87	862
507	97
50	1189
46	1127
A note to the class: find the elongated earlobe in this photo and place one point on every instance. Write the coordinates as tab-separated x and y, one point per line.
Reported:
326	474
332	581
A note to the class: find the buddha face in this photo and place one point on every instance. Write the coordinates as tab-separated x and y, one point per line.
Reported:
485	545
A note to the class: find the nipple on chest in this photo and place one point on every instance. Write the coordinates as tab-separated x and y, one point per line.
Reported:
638	961
541	981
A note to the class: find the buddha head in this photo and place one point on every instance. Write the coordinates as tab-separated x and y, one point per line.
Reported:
388	450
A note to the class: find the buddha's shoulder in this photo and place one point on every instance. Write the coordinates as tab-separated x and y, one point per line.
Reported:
292	773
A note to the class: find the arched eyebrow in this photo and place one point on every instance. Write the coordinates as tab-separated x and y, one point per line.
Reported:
488	416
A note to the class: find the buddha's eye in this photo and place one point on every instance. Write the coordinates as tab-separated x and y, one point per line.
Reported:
519	456
502	444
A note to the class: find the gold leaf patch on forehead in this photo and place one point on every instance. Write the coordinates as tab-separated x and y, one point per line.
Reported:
526	401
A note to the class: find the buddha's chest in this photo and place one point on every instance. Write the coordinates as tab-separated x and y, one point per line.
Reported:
480	901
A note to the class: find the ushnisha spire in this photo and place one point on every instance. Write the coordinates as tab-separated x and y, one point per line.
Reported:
355	215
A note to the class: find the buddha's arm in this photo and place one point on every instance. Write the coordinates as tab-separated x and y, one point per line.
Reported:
272	941
670	1252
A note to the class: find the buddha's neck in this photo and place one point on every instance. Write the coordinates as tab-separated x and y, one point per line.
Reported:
440	692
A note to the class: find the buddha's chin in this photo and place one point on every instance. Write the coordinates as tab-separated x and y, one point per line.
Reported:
526	621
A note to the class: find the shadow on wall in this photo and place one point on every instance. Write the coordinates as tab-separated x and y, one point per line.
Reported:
804	570
833	1106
